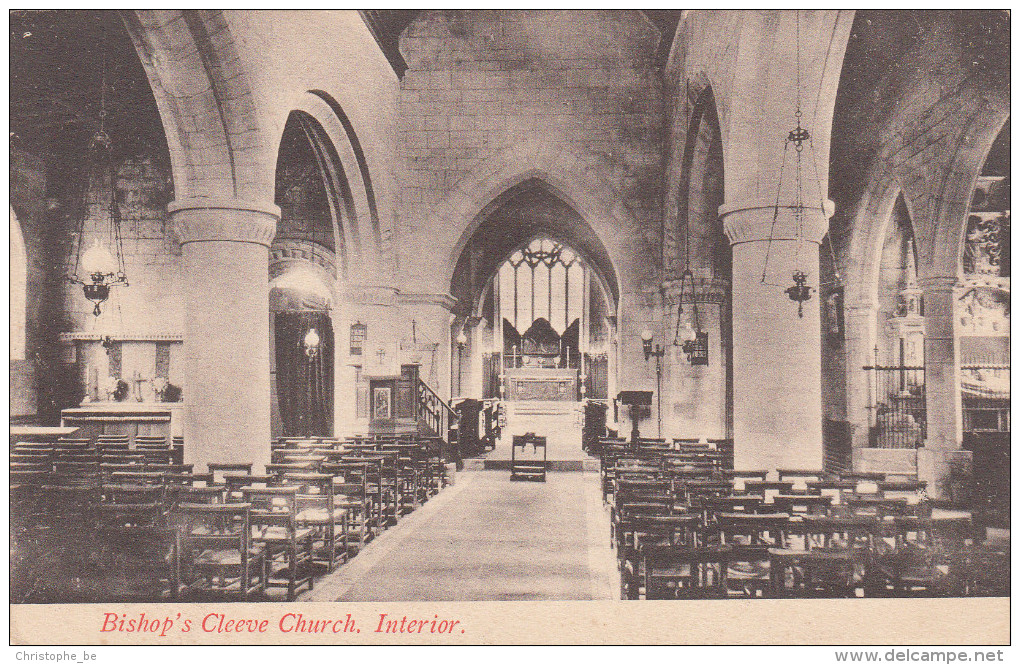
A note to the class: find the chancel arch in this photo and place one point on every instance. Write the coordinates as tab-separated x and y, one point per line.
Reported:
536	297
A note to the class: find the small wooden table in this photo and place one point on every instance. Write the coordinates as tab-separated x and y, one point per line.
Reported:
528	468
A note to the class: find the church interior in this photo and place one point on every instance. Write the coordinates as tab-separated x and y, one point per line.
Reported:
509	304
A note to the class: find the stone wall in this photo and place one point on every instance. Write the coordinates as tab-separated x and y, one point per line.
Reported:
152	303
491	99
484	82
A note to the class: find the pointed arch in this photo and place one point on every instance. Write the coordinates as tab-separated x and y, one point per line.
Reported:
570	178
486	248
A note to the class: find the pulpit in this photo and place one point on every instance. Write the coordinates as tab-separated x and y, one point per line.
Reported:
392	402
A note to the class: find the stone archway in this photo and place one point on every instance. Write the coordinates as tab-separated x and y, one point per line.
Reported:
534	323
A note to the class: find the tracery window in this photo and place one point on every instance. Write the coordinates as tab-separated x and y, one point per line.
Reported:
544	280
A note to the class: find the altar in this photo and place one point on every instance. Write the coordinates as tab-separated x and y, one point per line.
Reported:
541	384
125	418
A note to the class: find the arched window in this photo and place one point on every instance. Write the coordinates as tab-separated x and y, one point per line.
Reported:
19	286
544	280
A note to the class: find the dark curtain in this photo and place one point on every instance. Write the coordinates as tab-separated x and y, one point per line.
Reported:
304	386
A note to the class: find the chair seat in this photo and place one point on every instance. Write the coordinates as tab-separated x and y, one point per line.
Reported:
320	516
222	557
279	534
748	570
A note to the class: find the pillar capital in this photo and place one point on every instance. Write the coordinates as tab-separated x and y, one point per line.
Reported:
757	220
229	220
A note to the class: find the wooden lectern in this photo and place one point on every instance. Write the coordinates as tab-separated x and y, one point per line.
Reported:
636	401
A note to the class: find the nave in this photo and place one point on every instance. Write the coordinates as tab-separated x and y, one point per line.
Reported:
487	538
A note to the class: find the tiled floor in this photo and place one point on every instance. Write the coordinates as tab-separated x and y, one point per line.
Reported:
486	538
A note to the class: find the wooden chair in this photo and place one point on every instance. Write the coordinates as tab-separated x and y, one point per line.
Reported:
766	488
809	504
199	494
317	510
350	493
928	556
638	531
277	470
234	482
113	438
389	479
288	548
132	493
41	466
136	553
683	572
146	439
112	447
138	477
371	468
745	475
713	505
749	538
691	491
802	474
158	453
834	562
217	555
81	473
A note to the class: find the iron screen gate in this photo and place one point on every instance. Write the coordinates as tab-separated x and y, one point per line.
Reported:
899	418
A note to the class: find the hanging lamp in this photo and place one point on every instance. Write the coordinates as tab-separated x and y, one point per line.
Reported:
97	269
800	291
694	341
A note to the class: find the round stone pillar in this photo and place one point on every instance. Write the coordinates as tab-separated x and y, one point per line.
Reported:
777	369
225	277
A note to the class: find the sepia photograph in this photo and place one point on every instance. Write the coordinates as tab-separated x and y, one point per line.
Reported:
492	326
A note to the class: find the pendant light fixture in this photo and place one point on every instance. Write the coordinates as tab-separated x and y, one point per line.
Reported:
97	269
694	341
311	343
799	137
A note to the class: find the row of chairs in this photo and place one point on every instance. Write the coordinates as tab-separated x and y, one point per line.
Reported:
686	528
225	532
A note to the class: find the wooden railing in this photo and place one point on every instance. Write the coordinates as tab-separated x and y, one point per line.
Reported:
434	412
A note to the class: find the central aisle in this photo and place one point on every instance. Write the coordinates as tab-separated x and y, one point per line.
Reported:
486	538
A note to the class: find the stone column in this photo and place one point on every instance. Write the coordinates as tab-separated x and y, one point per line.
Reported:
225	271
777	400
944	436
859	320
694	397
